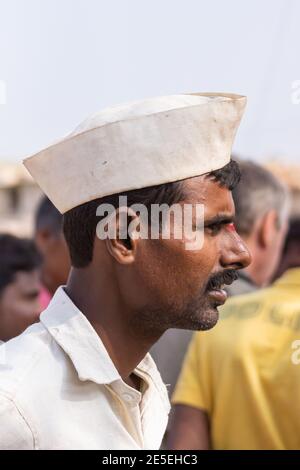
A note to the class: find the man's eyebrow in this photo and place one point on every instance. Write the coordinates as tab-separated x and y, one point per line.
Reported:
220	219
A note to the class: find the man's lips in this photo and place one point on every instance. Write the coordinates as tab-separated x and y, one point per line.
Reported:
216	285
219	295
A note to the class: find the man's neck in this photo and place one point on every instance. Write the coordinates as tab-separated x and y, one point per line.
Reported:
104	309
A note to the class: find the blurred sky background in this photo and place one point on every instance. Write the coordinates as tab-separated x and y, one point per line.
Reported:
61	60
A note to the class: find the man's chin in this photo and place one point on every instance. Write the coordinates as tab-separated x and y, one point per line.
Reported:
210	320
204	320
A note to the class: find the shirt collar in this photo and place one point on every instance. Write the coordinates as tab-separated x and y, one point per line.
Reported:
290	277
76	336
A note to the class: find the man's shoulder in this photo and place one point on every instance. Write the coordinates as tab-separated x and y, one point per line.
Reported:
15	431
251	305
233	317
24	360
243	314
24	373
237	302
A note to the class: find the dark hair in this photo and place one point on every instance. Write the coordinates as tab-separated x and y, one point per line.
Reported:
16	254
79	224
47	216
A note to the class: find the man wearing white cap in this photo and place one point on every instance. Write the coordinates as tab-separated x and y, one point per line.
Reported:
82	378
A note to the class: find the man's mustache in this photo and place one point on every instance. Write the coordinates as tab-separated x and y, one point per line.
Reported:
225	277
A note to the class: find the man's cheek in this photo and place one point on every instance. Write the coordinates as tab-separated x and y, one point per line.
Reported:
209	256
198	274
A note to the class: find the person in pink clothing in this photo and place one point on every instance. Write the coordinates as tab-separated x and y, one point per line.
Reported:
44	298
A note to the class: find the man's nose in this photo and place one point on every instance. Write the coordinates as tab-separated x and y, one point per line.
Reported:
235	254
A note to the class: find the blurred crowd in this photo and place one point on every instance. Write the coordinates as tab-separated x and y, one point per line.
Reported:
233	387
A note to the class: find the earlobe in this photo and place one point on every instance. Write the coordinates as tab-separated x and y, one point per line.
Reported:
121	253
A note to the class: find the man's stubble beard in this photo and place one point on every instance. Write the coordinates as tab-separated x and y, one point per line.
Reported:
197	315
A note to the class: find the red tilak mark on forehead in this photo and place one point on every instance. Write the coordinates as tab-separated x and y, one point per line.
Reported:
231	227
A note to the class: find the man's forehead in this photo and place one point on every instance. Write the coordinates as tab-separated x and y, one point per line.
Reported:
222	207
207	191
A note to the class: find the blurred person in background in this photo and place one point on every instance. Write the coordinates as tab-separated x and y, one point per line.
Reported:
239	385
19	285
291	252
261	205
51	243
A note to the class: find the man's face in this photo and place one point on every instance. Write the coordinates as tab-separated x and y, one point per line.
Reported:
183	288
56	259
19	304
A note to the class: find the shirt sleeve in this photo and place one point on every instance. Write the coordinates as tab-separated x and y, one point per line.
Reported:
15	433
193	385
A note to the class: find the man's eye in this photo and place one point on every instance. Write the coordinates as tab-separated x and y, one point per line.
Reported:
214	229
32	296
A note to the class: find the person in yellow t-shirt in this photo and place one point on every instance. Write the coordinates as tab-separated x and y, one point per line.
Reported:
239	387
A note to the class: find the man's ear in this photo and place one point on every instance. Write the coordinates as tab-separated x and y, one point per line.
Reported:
123	246
268	228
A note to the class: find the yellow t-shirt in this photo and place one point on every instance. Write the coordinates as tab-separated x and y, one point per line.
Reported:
245	372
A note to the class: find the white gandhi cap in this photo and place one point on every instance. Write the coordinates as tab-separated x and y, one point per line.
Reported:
137	145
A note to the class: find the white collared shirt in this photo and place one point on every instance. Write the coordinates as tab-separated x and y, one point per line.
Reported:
59	389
